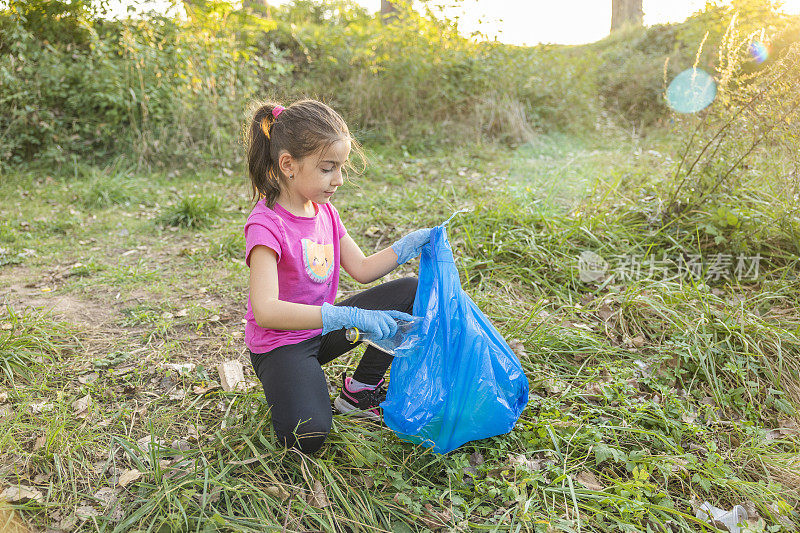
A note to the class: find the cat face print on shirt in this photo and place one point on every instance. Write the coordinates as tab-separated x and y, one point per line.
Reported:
318	260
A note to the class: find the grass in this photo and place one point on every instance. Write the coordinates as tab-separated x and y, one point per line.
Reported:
648	394
28	337
192	211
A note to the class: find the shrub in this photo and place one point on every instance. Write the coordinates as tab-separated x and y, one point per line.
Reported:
156	88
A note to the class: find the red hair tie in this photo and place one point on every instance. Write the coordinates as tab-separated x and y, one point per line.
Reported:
277	110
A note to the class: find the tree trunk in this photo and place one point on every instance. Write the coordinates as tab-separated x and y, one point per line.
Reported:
387	7
626	13
388	10
258	6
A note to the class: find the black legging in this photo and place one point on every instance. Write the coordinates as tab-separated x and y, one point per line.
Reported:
292	375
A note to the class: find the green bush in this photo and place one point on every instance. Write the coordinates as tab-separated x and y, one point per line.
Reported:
415	78
168	92
156	88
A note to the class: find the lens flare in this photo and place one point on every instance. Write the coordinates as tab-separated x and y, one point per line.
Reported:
759	51
691	90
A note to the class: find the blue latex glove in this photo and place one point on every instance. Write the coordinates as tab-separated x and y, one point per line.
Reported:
381	324
411	245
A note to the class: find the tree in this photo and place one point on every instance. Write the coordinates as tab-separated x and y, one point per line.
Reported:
258	6
625	13
387	7
388	10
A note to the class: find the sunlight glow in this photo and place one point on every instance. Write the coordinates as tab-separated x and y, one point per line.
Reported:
527	22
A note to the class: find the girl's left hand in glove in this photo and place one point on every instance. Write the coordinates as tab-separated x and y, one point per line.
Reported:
411	245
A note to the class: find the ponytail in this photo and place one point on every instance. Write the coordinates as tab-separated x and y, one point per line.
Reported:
263	169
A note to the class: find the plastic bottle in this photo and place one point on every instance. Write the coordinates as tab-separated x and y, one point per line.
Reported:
729	519
408	336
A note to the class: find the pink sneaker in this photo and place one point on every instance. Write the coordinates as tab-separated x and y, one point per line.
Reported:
364	401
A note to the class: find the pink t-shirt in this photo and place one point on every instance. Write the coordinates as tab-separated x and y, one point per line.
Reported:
308	264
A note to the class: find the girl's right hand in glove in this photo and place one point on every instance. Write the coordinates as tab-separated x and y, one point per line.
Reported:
381	324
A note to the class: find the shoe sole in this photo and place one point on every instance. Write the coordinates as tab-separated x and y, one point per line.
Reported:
344	407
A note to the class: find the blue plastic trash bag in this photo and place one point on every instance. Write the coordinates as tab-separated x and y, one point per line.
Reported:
462	382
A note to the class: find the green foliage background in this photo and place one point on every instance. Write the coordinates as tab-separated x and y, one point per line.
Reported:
165	91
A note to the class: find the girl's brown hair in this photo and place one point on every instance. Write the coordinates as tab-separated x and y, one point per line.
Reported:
301	129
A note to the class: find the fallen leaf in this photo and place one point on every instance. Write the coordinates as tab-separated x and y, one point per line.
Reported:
277	491
523	461
145	443
679	465
180	367
81	406
656	398
435	519
86	512
5	326
605	312
688	418
177	394
373	231
128	477
192	433
752	510
40	442
588	480
476	459
754	525
88	378
365	480
210	497
180	445
553	386
518	348
10	520
21	493
318	498
182	313
3	397
69	523
594	392
41	407
106	496
202	389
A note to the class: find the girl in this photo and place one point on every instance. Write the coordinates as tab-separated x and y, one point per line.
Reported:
295	244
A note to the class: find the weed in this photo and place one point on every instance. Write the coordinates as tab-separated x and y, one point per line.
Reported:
192	211
141	314
230	245
28	338
105	190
